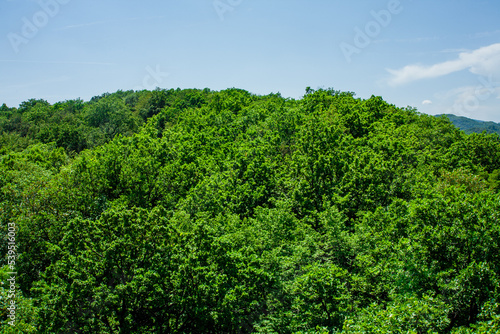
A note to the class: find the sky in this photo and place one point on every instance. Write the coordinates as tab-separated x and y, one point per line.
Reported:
436	56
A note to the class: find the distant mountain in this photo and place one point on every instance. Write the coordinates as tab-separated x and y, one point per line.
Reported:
469	125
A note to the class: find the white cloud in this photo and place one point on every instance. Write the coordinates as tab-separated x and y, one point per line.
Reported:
426	102
483	61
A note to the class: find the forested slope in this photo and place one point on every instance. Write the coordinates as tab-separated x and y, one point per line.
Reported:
469	125
194	211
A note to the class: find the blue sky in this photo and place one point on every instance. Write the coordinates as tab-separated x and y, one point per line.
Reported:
436	56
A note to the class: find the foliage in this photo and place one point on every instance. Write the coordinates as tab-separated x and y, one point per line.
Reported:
199	211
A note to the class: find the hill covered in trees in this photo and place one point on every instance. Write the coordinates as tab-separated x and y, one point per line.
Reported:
196	211
469	125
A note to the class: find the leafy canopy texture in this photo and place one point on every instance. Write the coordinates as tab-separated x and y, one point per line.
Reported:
199	211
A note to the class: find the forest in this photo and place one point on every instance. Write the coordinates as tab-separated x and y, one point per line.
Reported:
470	125
200	211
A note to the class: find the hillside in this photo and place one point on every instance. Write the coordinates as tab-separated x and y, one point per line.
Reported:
473	126
199	211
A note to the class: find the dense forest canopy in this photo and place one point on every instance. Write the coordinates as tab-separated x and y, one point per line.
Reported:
199	211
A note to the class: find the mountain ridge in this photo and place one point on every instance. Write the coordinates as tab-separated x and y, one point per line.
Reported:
469	125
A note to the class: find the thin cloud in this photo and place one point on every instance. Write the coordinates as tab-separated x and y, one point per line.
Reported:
485	34
418	39
454	50
55	62
63	78
476	101
426	102
407	40
483	61
88	24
